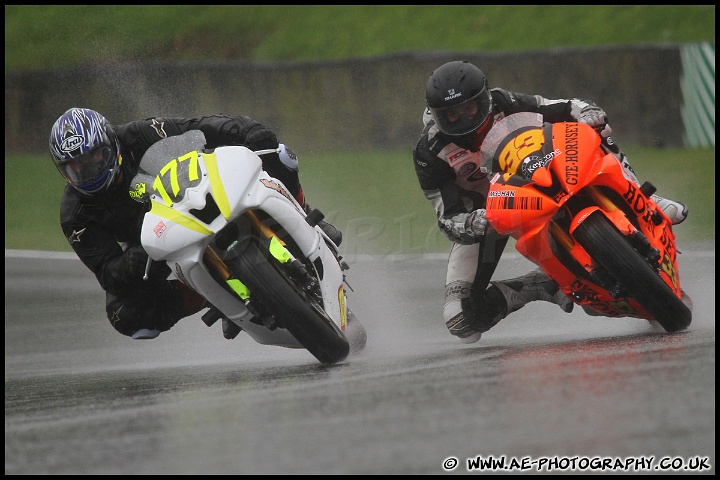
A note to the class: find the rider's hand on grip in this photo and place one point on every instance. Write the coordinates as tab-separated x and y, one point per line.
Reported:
597	119
134	261
476	223
466	228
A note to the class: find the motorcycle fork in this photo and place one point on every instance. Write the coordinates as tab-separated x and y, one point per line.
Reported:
264	230
563	238
637	238
570	251
220	271
600	198
297	270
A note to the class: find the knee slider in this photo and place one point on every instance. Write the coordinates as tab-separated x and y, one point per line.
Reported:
122	319
474	318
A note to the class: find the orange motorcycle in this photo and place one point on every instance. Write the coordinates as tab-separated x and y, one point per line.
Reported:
562	195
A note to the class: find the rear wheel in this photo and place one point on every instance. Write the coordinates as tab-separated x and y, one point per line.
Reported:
612	252
301	315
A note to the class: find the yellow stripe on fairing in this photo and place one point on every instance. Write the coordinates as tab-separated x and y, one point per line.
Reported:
219	194
174	216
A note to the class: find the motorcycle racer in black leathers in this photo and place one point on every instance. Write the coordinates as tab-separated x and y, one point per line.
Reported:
460	110
102	223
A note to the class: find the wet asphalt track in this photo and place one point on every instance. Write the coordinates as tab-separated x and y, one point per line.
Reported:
541	387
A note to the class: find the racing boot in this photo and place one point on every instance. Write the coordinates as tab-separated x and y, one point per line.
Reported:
230	329
469	319
535	285
676	211
333	233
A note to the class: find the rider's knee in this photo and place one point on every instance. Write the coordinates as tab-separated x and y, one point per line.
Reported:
129	320
146	313
122	319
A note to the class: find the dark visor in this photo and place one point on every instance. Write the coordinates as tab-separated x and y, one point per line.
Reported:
88	167
464	117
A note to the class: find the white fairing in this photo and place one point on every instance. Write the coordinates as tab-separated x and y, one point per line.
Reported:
233	176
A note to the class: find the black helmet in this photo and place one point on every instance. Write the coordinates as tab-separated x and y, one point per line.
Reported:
459	99
85	150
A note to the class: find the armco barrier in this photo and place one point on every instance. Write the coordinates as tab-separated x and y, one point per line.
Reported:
367	103
698	88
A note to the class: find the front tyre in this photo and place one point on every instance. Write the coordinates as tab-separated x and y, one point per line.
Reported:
612	252
304	319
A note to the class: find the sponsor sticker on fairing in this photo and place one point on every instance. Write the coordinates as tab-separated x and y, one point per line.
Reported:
159	228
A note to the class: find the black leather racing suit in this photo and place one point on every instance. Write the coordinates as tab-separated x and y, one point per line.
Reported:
97	226
448	169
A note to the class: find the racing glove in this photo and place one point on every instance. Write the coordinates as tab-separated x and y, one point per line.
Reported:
260	137
128	270
596	118
133	263
465	228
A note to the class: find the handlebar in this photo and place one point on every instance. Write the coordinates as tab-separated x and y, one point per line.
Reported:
266	151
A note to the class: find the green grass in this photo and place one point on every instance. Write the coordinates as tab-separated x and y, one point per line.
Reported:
373	197
45	36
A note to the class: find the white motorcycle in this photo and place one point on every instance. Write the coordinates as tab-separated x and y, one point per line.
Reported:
239	238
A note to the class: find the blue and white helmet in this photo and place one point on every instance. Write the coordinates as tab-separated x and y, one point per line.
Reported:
85	150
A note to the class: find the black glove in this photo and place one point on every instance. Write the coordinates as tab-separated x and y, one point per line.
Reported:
260	137
133	263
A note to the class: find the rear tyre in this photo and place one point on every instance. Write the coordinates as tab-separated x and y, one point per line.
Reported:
300	314
613	253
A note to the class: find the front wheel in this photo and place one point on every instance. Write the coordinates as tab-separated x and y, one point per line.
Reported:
300	314
612	252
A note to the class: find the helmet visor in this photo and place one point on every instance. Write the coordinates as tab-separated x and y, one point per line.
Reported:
89	168
464	117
